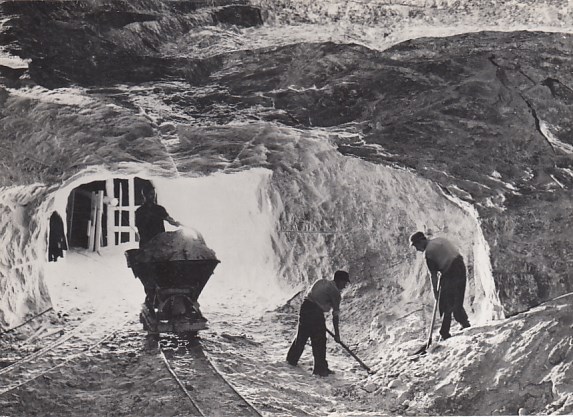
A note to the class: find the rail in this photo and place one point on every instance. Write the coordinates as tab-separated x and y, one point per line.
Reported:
192	366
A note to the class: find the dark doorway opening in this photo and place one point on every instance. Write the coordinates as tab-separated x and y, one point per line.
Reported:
102	213
79	212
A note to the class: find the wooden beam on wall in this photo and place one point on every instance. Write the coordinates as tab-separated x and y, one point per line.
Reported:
110	212
99	218
92	221
131	191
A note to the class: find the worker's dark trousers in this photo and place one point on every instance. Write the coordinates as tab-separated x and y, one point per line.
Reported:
311	325
452	296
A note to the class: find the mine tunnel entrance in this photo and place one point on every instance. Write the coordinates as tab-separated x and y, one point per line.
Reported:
225	208
102	213
265	239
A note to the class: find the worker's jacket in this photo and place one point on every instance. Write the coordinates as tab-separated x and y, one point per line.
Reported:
325	294
442	256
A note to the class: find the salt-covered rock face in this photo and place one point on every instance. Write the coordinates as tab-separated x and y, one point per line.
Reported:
22	288
468	136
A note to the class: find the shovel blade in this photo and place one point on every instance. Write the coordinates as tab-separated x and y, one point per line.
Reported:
421	351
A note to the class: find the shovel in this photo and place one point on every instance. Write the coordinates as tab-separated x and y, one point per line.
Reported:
424	348
370	371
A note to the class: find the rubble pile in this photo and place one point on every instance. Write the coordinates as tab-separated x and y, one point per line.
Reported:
175	246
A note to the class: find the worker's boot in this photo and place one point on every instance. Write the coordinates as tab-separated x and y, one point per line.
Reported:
323	372
466	324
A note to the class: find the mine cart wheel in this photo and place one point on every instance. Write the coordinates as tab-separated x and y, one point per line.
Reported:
190	340
189	335
151	341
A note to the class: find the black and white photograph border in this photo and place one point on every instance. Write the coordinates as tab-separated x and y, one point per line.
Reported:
286	207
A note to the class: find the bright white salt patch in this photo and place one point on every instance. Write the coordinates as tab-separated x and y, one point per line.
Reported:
234	214
64	96
86	279
454	189
552	139
559	183
568	171
374	37
496	176
11	61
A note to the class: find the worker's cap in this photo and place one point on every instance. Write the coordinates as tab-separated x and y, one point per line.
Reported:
342	275
416	237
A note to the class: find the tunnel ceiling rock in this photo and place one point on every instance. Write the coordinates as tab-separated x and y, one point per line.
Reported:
486	116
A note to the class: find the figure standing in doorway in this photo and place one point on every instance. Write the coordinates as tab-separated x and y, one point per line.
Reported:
57	238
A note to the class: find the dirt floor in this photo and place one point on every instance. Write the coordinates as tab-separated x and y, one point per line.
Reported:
109	366
90	356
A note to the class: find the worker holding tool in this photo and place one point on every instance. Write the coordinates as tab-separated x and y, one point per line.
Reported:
323	296
443	257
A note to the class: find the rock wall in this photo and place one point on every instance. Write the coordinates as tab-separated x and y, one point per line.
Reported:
335	212
396	14
485	117
23	227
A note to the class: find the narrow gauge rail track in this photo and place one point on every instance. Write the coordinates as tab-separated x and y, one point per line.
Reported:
28	321
209	392
67	333
79	340
48	367
52	345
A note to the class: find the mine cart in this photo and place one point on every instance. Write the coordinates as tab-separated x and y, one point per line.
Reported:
173	270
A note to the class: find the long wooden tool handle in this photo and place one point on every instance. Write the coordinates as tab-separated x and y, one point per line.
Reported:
437	303
352	354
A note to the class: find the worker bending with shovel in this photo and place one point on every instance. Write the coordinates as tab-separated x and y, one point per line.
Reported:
443	257
323	296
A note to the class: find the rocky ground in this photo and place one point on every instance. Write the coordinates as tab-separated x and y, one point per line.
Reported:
528	355
120	371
